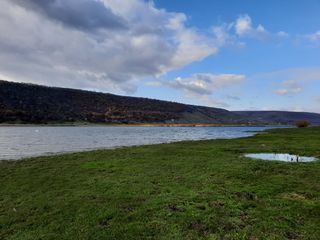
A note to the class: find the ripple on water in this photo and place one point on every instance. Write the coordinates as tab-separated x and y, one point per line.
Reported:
22	142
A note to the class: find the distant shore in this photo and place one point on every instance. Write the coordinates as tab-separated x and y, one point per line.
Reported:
130	125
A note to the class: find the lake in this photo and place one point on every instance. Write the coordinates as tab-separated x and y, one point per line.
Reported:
21	142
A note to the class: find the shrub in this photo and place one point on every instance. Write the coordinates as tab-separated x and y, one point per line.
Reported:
302	123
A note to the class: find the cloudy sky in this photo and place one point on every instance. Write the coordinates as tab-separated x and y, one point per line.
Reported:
239	55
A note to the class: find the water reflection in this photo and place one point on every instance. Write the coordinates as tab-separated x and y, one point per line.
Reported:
285	157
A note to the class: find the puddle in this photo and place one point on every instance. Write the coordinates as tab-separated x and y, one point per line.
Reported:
280	157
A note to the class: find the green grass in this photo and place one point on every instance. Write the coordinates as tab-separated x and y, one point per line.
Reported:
186	190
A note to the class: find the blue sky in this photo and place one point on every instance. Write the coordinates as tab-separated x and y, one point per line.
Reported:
238	55
257	57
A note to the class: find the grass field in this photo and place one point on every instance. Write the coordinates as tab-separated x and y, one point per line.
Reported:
186	190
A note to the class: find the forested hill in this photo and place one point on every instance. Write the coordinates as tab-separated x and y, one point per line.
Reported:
36	104
28	103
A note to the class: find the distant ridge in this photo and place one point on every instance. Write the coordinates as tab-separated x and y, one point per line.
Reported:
29	103
280	116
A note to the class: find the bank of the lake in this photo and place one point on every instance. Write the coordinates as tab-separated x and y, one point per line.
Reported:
185	190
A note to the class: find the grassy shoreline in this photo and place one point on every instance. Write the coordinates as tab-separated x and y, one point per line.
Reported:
184	190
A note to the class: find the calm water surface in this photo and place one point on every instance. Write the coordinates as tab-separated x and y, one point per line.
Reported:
284	157
22	142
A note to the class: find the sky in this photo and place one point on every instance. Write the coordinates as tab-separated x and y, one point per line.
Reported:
233	54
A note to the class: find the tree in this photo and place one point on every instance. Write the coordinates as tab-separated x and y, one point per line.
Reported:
302	123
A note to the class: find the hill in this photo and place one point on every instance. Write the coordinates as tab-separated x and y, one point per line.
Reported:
29	103
282	117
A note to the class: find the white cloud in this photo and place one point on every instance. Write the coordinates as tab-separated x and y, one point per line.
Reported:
223	36
286	91
201	86
297	86
130	40
315	37
244	28
261	29
281	91
290	87
205	83
243	25
282	34
107	45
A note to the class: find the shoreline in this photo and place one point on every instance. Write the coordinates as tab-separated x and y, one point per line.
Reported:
135	125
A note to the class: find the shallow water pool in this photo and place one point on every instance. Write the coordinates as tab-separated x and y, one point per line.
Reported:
285	157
